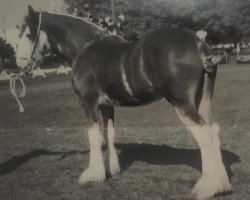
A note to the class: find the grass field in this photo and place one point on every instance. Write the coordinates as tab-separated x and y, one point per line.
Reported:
44	150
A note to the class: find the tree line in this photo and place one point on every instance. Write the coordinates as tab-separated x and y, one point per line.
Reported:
6	52
226	21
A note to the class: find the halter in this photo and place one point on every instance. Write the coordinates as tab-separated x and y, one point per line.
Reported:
35	42
37	34
13	78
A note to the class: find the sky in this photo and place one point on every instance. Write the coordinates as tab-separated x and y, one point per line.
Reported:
13	11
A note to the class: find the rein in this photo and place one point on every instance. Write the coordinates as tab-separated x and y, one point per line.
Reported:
37	35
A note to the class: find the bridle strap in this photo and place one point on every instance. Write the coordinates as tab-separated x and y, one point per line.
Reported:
37	38
37	34
39	24
35	42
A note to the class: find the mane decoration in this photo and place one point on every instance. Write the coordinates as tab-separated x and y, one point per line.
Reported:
75	17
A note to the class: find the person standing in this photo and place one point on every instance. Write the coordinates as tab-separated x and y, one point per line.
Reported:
237	49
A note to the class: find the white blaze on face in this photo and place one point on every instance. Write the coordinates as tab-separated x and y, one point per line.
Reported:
41	43
24	50
28	50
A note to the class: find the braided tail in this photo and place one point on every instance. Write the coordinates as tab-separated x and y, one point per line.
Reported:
209	60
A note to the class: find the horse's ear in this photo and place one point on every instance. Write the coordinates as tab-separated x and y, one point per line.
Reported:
31	10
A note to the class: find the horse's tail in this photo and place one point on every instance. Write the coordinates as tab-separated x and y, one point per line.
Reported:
209	61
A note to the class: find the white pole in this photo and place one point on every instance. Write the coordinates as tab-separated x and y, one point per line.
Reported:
113	10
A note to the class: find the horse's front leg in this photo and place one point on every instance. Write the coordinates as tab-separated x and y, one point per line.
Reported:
96	170
109	132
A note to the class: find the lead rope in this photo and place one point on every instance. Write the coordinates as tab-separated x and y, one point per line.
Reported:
17	77
13	80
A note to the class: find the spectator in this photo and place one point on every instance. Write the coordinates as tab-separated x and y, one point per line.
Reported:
237	49
202	34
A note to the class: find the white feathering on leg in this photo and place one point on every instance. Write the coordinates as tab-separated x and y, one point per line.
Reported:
215	130
113	158
96	169
214	178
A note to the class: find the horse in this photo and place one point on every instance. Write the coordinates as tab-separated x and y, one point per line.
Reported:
108	71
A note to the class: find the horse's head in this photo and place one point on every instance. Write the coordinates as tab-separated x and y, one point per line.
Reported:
65	35
32	40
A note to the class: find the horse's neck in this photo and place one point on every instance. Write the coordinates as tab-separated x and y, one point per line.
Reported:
69	42
67	48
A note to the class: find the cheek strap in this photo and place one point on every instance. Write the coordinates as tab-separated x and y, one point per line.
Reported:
37	34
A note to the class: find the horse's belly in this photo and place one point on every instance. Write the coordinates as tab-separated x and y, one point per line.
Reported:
146	98
139	99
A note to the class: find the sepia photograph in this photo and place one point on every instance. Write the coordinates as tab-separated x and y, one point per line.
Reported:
124	99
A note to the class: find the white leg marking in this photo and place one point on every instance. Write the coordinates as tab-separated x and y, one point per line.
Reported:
205	109
96	169
42	42
113	158
215	129
214	178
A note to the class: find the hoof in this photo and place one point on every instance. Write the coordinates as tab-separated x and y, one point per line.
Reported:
92	175
114	168
207	187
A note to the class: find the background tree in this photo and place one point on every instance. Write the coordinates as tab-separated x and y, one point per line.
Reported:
228	19
7	53
97	8
6	50
225	20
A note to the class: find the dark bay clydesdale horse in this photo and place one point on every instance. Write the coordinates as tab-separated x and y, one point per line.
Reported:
171	63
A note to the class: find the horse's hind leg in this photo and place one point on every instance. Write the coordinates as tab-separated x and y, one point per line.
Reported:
96	169
205	104
214	178
205	108
109	132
